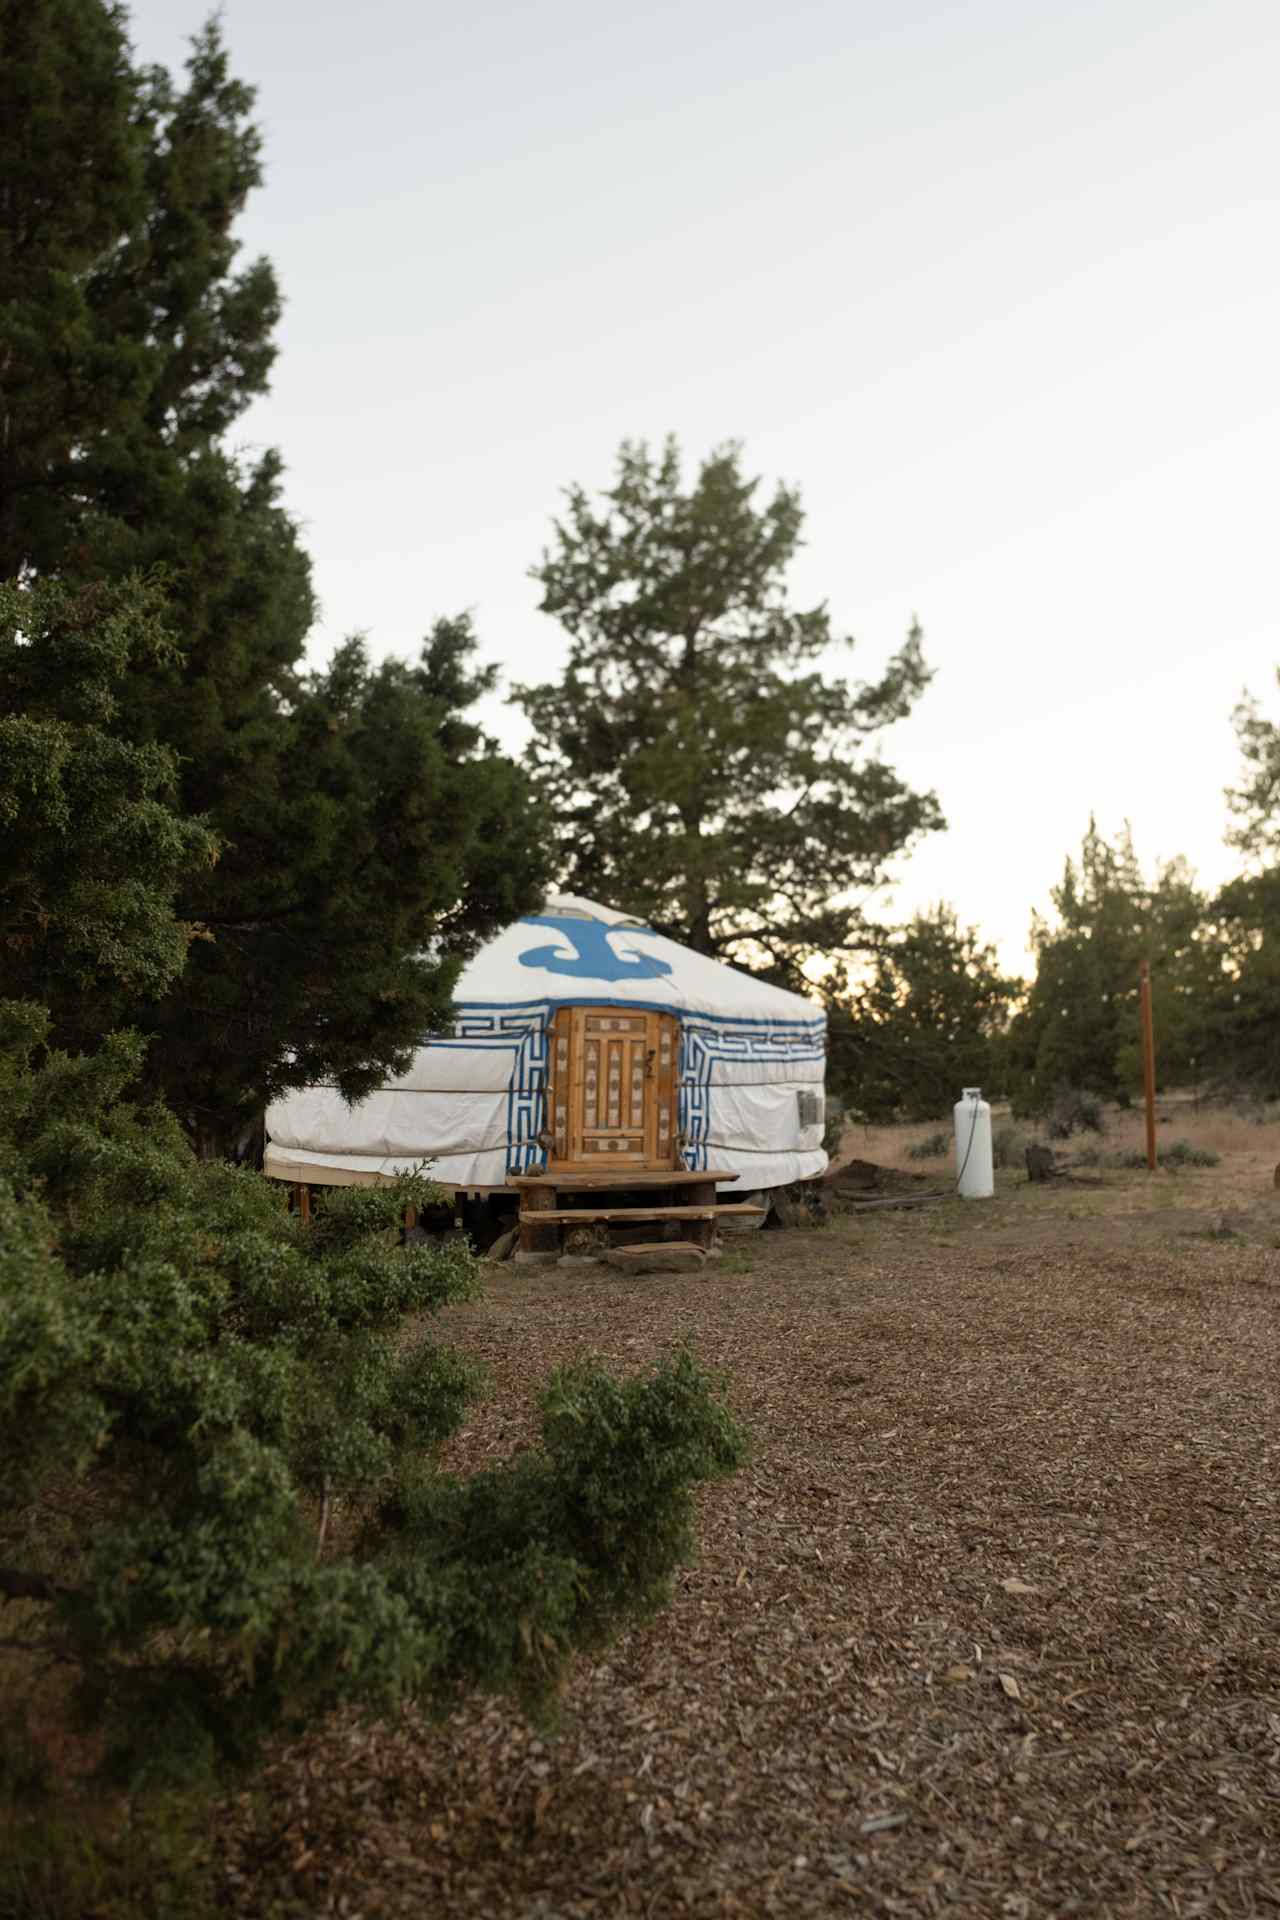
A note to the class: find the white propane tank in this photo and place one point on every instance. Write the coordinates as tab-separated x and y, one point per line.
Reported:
974	1175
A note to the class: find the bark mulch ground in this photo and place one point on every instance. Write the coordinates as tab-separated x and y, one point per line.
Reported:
988	1627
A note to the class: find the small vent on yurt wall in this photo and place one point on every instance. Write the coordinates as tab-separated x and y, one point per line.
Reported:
812	1107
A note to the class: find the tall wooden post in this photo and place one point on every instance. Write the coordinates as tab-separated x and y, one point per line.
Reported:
1148	1061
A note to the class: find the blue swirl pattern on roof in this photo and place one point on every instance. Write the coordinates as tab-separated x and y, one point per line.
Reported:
593	956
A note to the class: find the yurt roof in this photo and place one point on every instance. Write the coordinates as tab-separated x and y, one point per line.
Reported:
577	952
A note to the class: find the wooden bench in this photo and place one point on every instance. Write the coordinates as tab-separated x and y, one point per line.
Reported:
620	1182
581	1215
542	1218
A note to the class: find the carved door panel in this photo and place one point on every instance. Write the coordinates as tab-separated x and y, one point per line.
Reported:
612	1089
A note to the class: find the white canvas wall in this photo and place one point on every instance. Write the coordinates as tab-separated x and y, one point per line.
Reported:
471	1105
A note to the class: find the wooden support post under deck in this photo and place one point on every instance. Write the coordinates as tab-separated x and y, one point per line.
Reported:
302	1199
701	1194
535	1239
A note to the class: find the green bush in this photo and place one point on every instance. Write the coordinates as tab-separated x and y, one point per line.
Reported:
934	1146
1181	1153
246	1409
1008	1145
1070	1111
84	1862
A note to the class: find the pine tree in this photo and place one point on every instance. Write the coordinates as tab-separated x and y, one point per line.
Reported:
1080	1027
927	1019
702	765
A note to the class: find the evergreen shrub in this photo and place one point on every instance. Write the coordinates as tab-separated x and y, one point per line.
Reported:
1181	1153
1008	1145
223	1508
934	1146
1069	1111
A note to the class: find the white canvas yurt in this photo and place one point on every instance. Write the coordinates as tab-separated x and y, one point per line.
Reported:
583	1041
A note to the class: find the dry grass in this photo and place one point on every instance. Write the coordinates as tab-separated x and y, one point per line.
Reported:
1250	1138
989	1627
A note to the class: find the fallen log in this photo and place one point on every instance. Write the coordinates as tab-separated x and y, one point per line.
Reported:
895	1202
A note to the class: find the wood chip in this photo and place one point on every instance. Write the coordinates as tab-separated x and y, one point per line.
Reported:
820	1667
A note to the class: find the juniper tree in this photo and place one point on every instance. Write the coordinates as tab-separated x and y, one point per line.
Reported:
376	838
1080	1024
222	1508
702	763
1242	1050
362	817
132	342
1255	801
926	1017
72	159
93	853
1245	919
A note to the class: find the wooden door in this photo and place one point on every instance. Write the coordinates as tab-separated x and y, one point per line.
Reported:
612	1090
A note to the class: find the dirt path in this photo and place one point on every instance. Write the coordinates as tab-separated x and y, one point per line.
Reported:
989	1626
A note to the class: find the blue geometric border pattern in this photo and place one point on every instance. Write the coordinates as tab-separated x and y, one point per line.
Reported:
706	1040
500	1023
527	1104
526	1026
696	1061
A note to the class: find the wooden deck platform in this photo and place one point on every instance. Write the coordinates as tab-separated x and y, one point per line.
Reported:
581	1216
660	1194
620	1182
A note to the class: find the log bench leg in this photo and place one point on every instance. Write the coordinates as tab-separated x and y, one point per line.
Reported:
537	1242
703	1194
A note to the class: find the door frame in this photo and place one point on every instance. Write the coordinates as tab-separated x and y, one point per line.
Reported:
568	1038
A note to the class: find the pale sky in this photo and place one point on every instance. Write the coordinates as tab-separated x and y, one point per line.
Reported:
996	285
